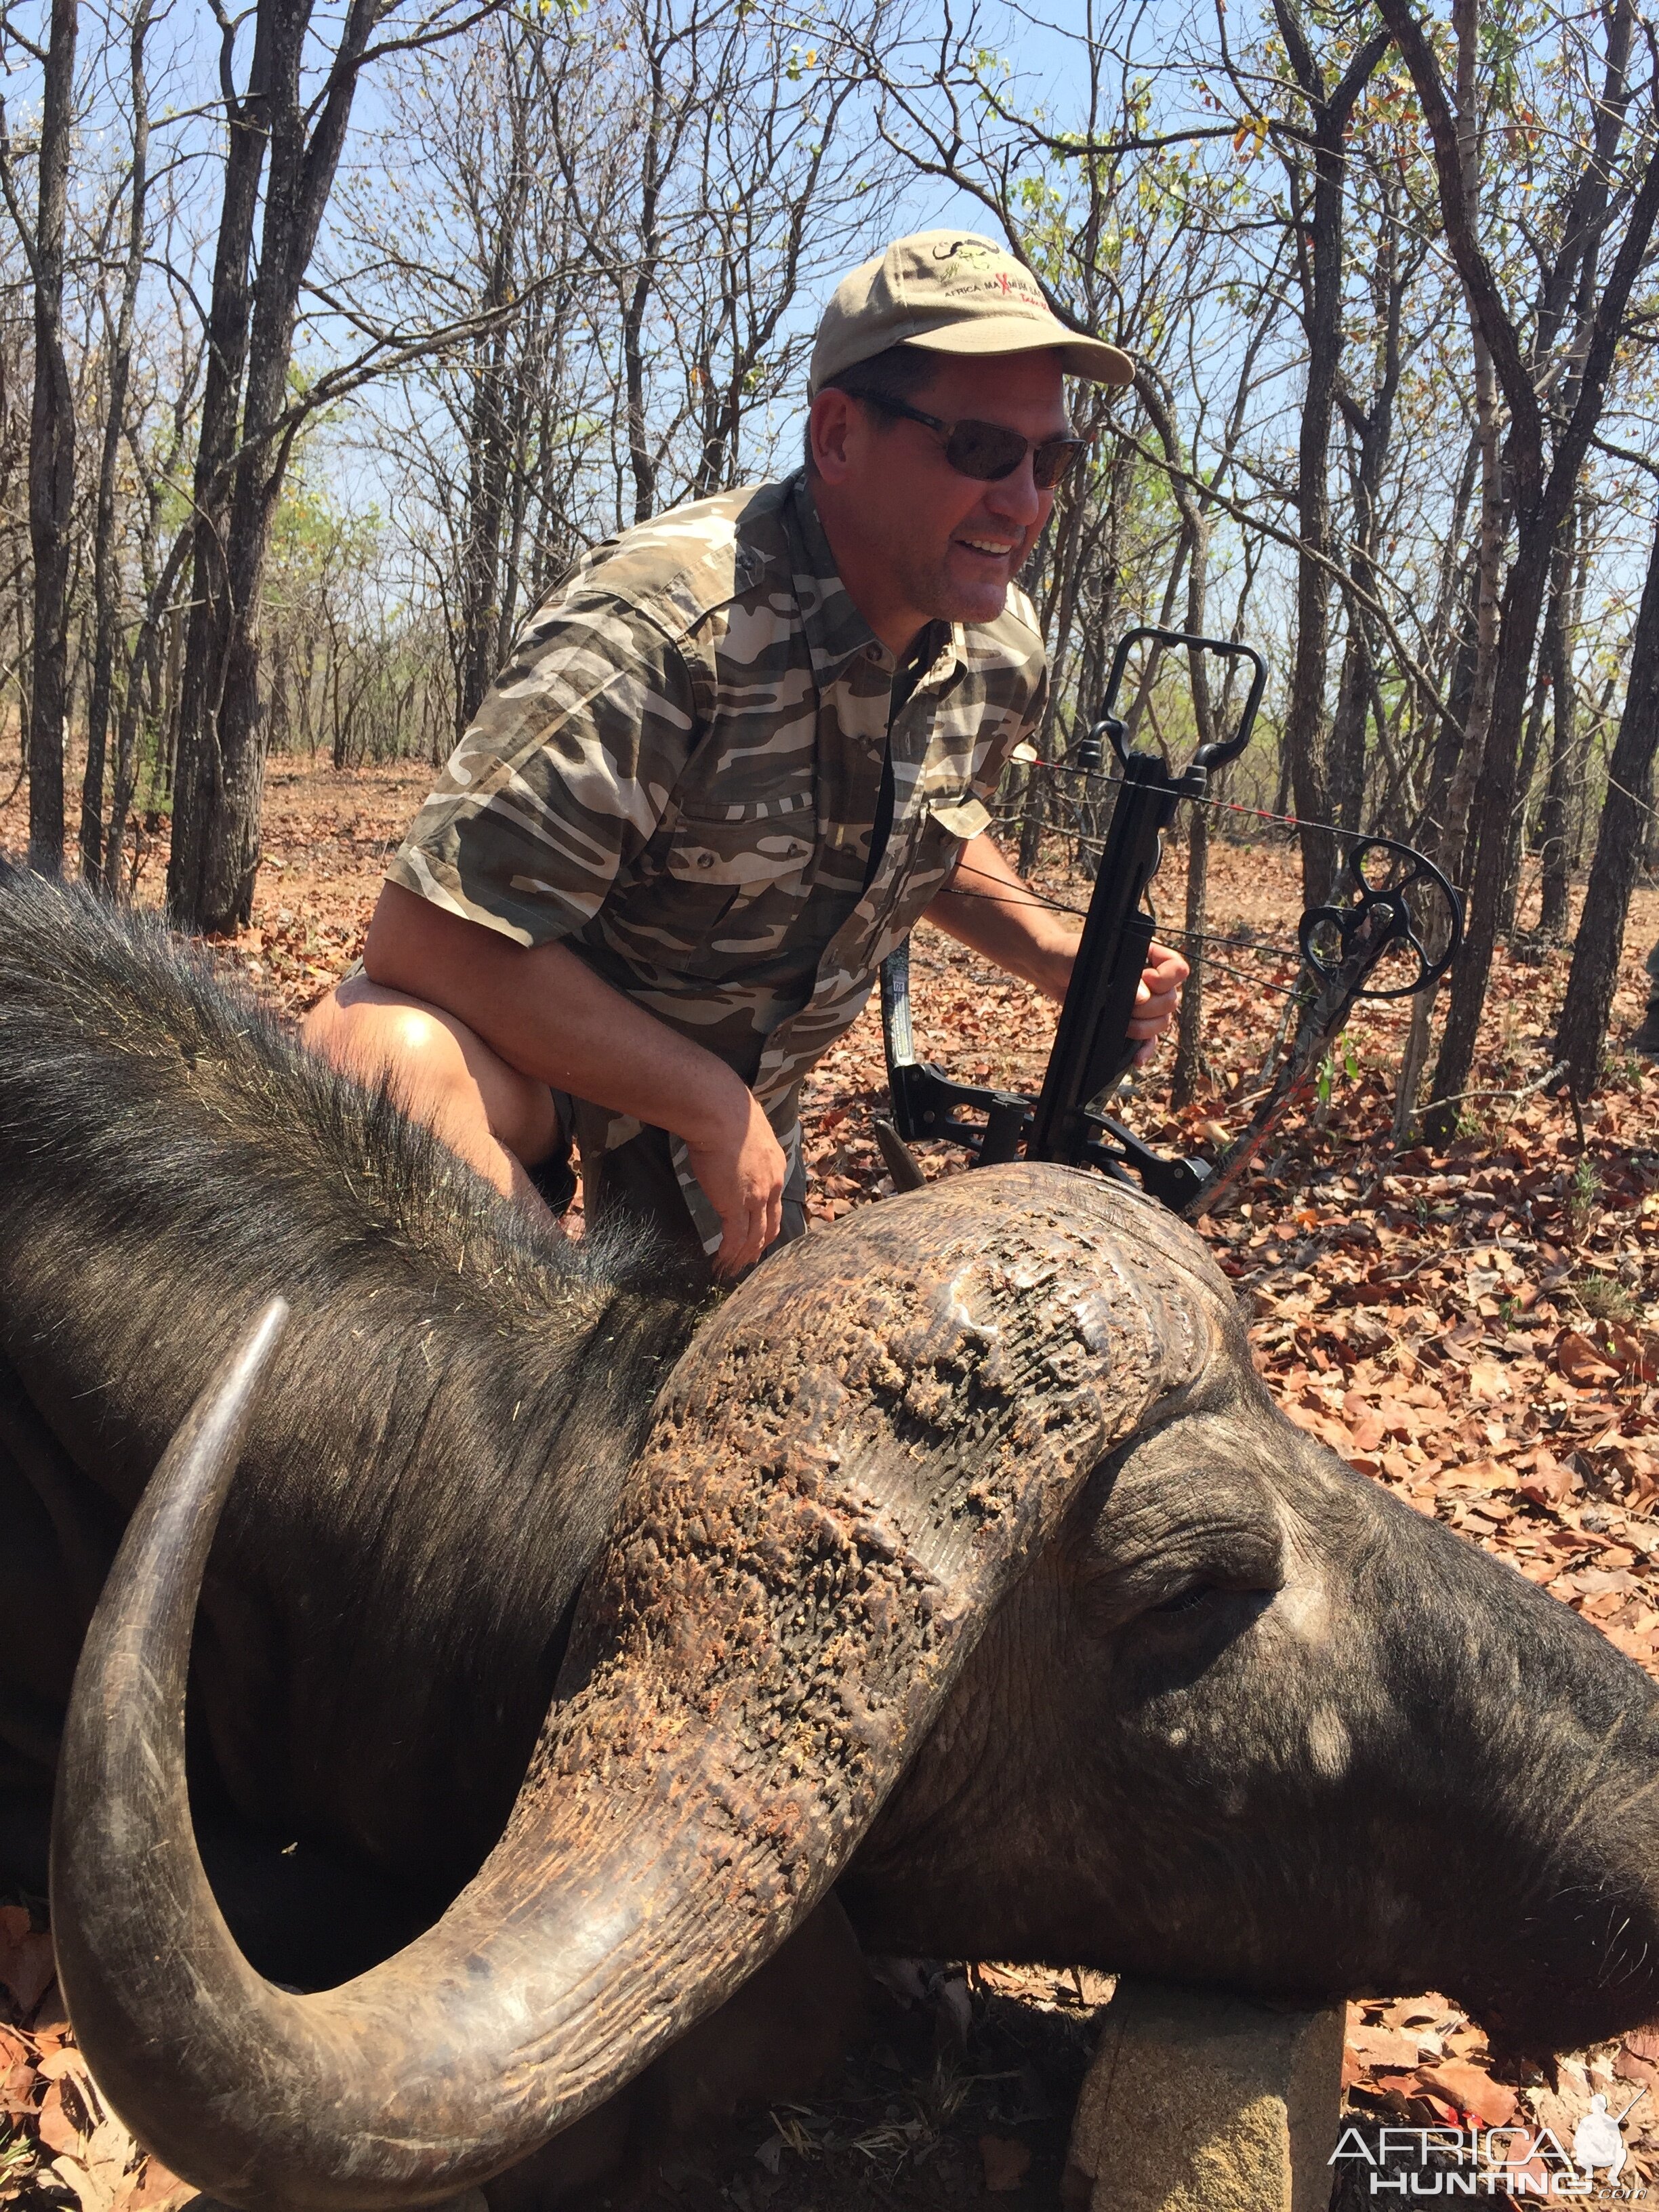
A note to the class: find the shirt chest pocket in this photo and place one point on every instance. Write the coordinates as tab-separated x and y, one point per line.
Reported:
729	867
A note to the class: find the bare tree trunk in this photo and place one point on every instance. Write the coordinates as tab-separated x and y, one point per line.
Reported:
51	445
1373	427
197	766
640	458
1190	1070
105	567
1354	693
1557	656
221	741
498	402
1323	283
1034	819
146	671
1531	745
1489	555
144	683
1600	941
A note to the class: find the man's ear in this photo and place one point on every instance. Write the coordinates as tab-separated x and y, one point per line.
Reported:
834	426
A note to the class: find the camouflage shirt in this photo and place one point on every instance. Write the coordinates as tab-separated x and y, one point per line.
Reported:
678	774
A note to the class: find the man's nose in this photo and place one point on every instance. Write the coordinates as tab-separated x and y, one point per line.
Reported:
1016	498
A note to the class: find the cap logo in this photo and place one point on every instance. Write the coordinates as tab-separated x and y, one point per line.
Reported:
971	264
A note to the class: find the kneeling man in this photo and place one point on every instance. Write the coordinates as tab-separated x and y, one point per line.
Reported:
734	760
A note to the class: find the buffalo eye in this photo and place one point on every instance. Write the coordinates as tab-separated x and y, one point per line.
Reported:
1186	1600
1236	1598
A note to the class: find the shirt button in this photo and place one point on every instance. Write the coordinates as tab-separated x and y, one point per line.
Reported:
705	860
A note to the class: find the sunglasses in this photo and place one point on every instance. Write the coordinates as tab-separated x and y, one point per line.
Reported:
989	451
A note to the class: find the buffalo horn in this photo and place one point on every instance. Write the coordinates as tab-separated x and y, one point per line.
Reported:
856	1457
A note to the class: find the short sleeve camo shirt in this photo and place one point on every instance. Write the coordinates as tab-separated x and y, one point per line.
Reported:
677	773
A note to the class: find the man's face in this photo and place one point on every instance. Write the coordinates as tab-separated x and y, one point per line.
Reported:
936	544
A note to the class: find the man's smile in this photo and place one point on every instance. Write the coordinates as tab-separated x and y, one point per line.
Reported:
996	549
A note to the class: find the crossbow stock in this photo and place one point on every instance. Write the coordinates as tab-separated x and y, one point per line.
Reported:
1391	929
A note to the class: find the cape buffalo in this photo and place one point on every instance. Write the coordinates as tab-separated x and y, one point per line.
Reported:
579	1637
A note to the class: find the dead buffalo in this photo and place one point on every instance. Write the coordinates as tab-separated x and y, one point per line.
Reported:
580	1638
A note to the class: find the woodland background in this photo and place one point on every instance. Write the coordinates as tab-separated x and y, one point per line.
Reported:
330	334
331	330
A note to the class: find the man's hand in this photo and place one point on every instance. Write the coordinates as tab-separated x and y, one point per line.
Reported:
987	907
1157	997
741	1168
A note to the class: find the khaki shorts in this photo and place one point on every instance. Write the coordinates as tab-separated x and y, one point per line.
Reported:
636	1181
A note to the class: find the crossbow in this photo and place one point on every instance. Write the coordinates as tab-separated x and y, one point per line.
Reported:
1390	929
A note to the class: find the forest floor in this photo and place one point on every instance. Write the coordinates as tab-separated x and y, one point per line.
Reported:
1475	1328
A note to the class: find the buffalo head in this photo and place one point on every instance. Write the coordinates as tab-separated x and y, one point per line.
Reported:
967	1560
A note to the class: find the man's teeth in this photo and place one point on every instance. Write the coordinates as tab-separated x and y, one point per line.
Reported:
986	545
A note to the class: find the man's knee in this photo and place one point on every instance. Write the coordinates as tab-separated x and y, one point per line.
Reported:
372	1033
436	1066
374	1037
412	1042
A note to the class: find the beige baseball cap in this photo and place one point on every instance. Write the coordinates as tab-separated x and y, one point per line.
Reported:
952	292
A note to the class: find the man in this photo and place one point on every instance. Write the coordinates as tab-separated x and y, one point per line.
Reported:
740	753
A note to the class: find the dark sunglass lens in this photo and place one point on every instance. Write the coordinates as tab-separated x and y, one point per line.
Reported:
988	451
1052	460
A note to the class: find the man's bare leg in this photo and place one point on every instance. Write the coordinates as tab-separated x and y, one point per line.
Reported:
498	1119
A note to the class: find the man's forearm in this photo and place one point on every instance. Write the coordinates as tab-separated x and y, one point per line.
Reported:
987	908
546	1012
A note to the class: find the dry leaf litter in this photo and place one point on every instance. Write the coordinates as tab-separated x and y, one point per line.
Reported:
1476	1328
